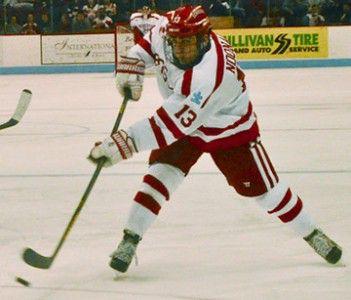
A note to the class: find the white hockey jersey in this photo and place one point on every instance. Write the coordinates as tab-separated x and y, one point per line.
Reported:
143	24
209	103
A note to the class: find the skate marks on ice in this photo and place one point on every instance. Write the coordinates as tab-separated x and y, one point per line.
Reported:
99	286
86	293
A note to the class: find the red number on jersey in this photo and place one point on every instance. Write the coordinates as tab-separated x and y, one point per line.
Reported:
188	118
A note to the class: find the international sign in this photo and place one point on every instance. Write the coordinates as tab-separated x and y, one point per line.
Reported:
77	49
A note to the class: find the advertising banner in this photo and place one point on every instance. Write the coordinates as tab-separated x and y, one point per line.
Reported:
278	43
77	49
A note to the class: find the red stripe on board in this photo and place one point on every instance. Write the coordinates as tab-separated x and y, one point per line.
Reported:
157	185
293	213
148	202
282	203
186	83
216	131
171	126
220	66
160	138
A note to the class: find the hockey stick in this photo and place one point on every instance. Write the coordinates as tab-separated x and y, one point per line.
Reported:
21	108
37	260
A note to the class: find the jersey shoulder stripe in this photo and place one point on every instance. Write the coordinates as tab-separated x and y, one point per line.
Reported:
186	83
148	41
146	46
220	66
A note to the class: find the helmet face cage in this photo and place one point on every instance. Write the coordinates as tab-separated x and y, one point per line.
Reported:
187	21
202	45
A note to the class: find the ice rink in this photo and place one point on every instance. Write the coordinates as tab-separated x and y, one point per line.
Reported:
208	242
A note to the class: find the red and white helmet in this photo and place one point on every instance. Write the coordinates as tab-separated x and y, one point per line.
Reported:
184	22
188	20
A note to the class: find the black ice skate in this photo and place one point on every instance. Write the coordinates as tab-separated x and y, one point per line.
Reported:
324	246
123	256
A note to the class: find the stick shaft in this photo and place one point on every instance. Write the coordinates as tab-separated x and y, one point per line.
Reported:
90	185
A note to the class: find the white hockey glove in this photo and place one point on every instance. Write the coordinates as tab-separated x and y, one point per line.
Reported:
130	74
115	148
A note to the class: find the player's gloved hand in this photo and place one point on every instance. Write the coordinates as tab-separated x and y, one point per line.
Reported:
115	148
130	74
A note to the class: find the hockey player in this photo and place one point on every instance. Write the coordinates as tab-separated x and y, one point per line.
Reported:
202	112
141	22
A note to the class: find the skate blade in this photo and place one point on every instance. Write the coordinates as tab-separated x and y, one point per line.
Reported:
118	276
341	263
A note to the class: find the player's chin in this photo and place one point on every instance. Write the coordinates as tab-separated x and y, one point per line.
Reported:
187	61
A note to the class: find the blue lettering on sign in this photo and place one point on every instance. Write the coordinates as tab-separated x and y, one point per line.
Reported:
196	98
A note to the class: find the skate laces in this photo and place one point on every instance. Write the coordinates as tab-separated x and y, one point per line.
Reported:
126	250
321	243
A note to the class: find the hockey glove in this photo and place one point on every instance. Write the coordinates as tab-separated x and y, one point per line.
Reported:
115	148
130	74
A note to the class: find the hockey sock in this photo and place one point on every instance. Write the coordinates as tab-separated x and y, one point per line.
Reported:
288	207
157	186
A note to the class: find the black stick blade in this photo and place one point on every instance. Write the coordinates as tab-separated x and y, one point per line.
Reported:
9	123
36	260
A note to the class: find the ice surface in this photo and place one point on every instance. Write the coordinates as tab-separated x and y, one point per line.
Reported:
208	242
